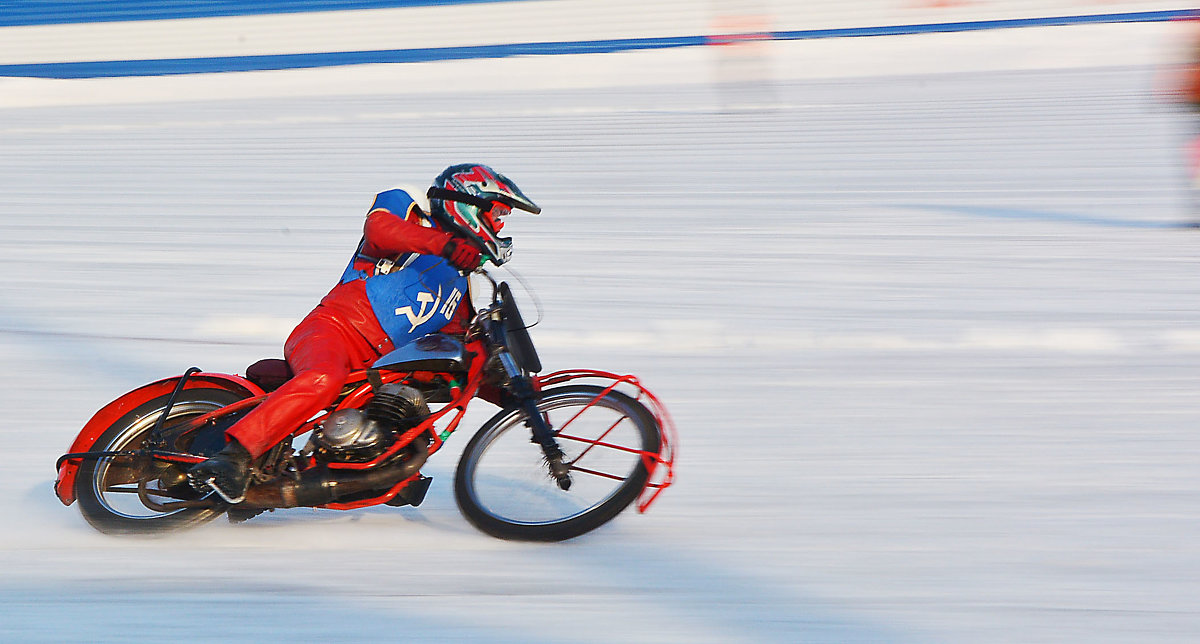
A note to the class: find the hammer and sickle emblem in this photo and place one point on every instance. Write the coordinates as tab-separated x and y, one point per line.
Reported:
422	316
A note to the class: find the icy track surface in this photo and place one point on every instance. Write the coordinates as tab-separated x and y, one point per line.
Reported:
931	343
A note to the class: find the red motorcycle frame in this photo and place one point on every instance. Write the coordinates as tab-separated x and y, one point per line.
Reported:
119	448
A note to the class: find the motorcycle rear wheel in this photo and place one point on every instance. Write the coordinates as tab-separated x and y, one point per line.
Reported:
107	487
503	485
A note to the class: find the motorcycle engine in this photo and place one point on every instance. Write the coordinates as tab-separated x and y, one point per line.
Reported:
359	435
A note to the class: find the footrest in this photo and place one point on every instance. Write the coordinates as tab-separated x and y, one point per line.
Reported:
413	493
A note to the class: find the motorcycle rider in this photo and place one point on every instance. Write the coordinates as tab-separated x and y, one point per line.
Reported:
406	279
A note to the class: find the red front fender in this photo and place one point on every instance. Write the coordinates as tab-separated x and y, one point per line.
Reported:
64	486
661	466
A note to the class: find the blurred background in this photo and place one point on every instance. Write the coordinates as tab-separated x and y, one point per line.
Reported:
917	280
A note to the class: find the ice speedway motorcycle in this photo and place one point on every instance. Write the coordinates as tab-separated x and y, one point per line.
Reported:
567	452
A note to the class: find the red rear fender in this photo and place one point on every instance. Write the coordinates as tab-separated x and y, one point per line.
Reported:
64	486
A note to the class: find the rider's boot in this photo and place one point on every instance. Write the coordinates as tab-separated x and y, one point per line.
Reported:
227	473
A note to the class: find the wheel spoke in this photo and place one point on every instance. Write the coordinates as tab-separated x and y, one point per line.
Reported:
597	443
134	490
597	440
576	468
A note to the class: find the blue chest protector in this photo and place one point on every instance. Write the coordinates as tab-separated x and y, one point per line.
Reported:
419	294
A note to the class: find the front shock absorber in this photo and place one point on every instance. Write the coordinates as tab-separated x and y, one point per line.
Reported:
543	434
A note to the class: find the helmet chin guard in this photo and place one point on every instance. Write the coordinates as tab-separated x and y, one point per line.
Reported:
469	199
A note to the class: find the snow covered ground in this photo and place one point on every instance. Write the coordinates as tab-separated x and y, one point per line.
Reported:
931	340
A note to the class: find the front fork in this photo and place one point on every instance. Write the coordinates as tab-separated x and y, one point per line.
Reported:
543	434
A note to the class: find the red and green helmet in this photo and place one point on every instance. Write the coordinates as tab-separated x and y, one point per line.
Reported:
469	199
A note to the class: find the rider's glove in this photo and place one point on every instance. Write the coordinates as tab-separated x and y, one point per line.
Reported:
460	253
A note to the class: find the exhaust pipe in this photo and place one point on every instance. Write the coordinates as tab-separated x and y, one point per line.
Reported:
321	485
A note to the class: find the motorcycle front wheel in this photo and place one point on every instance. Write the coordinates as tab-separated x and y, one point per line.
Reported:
503	485
107	487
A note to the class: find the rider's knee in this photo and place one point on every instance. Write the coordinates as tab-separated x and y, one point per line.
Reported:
320	383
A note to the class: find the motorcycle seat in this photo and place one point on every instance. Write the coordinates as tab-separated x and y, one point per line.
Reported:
269	373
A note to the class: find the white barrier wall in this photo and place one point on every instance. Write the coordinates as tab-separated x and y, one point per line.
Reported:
481	43
529	21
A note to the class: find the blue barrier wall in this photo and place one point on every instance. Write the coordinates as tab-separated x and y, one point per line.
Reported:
26	12
144	38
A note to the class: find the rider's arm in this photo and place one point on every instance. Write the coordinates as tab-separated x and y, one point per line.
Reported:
388	235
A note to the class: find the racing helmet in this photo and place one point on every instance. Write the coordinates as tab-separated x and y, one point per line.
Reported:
469	199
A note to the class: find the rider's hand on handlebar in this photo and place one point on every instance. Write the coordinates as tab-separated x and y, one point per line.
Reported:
460	253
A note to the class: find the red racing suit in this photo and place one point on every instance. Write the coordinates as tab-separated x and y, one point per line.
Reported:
344	332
